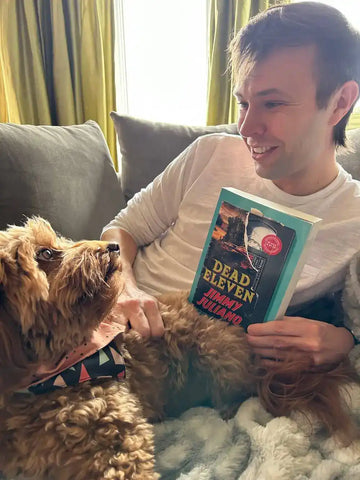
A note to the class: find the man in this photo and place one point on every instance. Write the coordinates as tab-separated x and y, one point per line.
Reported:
296	72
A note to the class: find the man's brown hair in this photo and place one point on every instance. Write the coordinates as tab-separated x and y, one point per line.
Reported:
301	24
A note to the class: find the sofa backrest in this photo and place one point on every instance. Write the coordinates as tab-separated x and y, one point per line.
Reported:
148	147
66	175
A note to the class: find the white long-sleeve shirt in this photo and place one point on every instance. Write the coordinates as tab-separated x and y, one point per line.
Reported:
170	218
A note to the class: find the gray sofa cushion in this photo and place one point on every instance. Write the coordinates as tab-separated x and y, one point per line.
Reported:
147	147
64	174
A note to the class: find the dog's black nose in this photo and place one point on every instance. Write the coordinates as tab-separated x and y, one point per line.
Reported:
113	247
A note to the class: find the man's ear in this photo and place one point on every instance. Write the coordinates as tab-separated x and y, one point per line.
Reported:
343	99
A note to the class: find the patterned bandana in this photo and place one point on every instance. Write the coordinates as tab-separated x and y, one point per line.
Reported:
99	358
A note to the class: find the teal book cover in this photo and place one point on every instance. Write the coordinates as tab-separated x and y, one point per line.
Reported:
252	259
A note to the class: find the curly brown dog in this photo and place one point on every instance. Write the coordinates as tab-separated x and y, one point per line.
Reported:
56	298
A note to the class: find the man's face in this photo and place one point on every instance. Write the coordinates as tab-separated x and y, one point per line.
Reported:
288	136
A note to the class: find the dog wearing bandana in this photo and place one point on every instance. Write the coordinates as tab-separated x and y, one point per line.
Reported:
78	391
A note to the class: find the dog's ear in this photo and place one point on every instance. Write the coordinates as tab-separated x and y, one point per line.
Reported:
15	368
5	261
2	271
22	284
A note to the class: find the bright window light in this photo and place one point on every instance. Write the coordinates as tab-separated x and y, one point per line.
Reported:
162	57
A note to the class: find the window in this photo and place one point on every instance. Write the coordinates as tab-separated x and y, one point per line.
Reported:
161	64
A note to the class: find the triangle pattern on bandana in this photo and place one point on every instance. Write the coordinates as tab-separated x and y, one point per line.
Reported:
118	359
84	374
103	358
59	382
105	363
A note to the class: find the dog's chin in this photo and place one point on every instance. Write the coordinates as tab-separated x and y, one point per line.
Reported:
110	272
113	266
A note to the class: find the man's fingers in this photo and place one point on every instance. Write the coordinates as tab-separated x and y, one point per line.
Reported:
141	311
152	313
143	316
275	327
119	317
280	342
289	327
304	344
140	323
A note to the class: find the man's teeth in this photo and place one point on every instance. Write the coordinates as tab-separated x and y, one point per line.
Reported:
261	149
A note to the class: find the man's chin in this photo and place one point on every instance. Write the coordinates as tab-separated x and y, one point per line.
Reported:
268	172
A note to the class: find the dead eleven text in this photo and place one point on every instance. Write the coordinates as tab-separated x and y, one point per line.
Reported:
224	281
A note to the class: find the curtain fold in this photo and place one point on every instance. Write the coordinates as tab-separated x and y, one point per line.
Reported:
57	63
9	111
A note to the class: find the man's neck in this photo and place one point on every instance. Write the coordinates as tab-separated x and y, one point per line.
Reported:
312	182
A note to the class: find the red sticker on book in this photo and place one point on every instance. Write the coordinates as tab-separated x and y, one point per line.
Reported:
271	244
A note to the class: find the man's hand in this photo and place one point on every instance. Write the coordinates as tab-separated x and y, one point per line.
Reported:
140	310
322	342
134	306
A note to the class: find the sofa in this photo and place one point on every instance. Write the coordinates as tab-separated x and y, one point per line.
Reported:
66	175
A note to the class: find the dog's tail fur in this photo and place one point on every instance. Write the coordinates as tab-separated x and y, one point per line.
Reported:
319	393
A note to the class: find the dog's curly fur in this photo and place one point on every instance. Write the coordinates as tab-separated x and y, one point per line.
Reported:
101	429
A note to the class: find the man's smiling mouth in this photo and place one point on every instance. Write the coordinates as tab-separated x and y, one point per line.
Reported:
258	152
260	149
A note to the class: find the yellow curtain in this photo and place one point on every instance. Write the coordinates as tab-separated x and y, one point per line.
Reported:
57	63
226	18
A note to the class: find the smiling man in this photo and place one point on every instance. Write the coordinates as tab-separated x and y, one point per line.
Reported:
296	74
288	135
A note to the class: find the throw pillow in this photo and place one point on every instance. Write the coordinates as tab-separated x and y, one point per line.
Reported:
148	147
64	174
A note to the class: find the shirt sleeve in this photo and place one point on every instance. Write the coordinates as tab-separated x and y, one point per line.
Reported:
325	309
155	208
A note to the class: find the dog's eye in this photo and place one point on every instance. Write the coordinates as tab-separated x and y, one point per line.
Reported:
45	254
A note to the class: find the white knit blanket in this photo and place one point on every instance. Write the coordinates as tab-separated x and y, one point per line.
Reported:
254	446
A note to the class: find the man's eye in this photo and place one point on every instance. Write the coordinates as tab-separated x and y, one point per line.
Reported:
242	105
45	254
273	104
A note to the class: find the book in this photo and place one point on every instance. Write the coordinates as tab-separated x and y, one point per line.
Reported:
253	255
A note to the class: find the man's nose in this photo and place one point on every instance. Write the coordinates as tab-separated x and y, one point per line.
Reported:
251	124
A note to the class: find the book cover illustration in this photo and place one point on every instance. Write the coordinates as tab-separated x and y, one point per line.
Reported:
243	260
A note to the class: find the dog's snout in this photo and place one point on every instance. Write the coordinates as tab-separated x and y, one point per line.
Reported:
113	247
